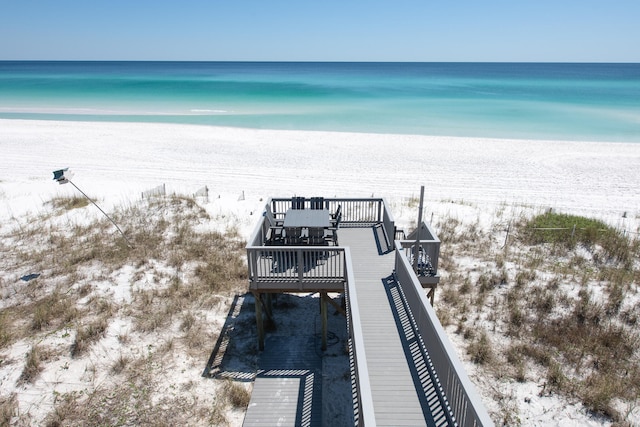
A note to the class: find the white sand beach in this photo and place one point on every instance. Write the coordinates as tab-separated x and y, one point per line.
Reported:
115	161
465	177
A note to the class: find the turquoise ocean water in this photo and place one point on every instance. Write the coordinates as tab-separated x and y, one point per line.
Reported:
594	102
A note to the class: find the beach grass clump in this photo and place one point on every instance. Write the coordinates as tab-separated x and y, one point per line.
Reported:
5	329
88	334
68	203
237	394
606	243
32	366
480	350
8	409
55	310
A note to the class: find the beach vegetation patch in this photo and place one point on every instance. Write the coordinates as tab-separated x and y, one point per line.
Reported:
69	203
8	409
556	304
606	243
88	334
32	366
157	288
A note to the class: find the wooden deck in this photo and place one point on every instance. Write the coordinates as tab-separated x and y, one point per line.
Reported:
287	390
404	369
400	386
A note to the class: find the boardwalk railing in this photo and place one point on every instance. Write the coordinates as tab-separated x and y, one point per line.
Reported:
309	268
293	268
296	268
355	212
429	245
465	404
362	398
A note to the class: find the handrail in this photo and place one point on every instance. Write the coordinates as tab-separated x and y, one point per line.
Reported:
430	247
388	223
354	210
304	266
363	399
465	403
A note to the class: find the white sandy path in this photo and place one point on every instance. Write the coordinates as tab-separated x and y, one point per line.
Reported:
116	160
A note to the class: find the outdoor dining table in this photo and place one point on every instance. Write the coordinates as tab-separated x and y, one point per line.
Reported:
305	224
307	218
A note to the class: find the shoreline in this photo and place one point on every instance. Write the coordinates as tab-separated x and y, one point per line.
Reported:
115	118
121	159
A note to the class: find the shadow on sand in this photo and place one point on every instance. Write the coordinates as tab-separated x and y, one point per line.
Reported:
292	360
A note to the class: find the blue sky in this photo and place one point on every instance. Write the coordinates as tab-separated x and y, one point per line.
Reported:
327	30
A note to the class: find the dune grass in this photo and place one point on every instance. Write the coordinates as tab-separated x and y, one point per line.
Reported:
176	270
563	300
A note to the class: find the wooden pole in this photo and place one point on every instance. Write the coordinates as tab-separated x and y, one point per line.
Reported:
259	320
323	315
416	249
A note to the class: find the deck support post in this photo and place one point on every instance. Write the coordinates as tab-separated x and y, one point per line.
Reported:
431	294
259	320
323	315
268	305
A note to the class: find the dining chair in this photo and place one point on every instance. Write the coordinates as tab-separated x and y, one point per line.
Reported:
297	202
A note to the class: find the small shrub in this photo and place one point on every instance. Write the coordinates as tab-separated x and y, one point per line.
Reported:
480	350
237	394
8	409
68	203
32	367
87	335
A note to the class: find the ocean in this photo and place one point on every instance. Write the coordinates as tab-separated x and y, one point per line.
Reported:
590	102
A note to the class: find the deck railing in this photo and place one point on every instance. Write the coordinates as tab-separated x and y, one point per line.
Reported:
429	248
296	268
429	244
465	404
355	211
307	268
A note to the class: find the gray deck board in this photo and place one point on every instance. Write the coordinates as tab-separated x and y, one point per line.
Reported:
287	389
282	393
396	399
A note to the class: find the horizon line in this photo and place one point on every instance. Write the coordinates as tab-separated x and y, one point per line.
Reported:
317	61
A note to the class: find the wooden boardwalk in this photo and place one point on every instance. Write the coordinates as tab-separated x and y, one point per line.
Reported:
401	387
287	390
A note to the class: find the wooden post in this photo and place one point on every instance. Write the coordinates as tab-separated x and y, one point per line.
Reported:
259	320
416	250
323	315
268	306
431	294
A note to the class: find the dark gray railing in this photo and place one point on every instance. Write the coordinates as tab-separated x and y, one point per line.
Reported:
355	211
430	248
465	404
301	268
429	243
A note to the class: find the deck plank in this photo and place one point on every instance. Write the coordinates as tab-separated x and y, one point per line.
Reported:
396	400
287	389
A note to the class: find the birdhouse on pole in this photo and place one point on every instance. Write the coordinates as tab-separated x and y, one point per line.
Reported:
62	176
